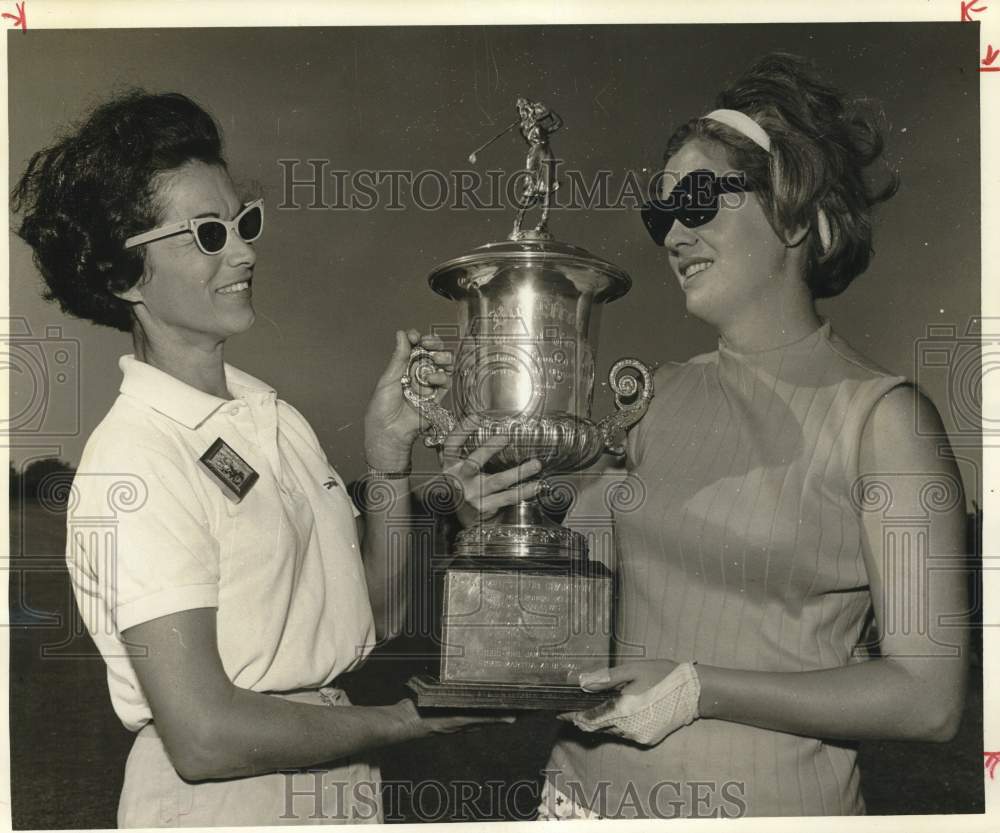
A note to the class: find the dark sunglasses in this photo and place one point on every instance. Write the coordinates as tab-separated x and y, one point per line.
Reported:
210	233
694	201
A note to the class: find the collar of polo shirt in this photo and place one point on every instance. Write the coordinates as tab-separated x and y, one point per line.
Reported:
178	400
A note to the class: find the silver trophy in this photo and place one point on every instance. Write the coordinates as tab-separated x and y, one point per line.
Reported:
524	610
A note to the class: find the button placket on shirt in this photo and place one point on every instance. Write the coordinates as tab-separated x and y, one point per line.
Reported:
241	421
263	410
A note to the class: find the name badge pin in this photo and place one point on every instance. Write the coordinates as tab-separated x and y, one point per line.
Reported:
234	475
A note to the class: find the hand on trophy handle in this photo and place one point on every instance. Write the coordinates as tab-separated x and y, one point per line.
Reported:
480	496
420	369
392	425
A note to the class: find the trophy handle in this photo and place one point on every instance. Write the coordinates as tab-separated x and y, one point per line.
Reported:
625	387
442	423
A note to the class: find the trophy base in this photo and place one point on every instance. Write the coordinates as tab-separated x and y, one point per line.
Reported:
432	693
523	622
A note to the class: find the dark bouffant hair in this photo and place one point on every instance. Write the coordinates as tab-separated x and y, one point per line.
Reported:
85	195
820	146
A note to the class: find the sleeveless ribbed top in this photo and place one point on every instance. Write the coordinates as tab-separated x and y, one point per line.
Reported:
740	547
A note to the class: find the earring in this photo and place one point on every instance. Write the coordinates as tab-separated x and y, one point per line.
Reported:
823	227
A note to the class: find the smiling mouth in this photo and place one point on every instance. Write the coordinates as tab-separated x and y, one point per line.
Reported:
235	288
694	269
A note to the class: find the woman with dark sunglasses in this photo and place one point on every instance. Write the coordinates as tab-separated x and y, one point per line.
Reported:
235	586
769	468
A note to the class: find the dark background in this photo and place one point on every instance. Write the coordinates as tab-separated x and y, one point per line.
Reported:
332	285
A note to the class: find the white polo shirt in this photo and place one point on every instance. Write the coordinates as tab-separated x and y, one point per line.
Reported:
150	532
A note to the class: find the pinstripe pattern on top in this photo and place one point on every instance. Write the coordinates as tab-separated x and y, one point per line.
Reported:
744	552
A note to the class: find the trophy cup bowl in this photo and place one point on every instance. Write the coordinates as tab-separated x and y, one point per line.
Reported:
524	611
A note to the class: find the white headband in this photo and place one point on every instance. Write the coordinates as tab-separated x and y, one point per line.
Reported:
742	123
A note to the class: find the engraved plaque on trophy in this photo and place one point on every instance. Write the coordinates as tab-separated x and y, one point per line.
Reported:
524	610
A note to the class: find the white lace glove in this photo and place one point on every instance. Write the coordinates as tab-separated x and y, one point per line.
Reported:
650	716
